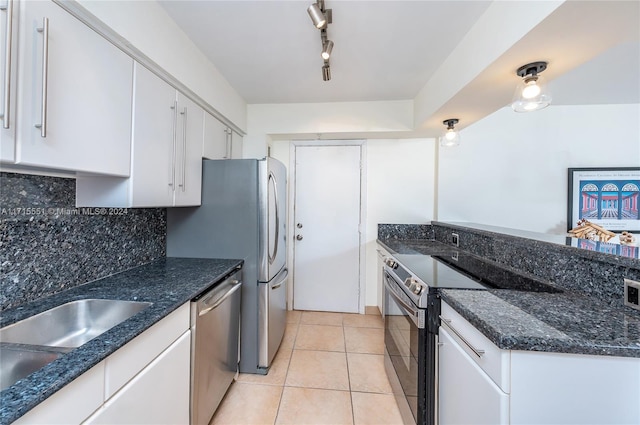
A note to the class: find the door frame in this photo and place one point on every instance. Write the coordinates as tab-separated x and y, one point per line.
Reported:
361	227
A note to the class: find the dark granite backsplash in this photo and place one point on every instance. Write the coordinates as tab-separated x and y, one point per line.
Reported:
596	274
47	245
405	231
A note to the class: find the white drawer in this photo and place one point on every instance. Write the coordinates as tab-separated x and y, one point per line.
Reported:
494	361
129	360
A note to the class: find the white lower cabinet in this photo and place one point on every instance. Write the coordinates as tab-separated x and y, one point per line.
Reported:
480	383
159	394
467	395
382	254
73	403
147	381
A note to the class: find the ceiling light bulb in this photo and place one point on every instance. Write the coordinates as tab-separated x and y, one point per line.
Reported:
317	16
532	93
450	137
326	50
531	89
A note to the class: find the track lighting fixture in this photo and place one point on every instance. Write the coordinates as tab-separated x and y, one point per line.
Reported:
450	137
321	17
531	94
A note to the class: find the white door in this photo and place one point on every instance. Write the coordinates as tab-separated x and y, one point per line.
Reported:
326	223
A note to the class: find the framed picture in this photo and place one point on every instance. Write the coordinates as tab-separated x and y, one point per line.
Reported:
608	197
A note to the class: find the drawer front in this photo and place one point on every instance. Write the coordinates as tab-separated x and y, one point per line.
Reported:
494	361
73	403
125	363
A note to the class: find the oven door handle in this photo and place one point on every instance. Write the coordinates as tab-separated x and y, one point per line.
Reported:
414	313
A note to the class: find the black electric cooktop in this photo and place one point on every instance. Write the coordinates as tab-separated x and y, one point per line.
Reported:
456	270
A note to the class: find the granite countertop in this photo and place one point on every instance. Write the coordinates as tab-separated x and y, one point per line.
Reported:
568	322
565	322
167	283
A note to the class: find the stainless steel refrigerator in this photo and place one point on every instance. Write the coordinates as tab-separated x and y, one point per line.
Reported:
243	216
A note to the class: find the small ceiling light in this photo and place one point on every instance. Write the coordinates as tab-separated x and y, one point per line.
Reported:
317	15
450	137
326	49
531	94
326	72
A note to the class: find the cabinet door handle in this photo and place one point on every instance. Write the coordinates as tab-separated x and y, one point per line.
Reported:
228	141
6	101
45	75
447	322
184	149
172	177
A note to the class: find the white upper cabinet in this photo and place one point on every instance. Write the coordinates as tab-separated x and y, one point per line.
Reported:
220	141
8	73
236	145
167	145
166	166
154	140
74	95
216	143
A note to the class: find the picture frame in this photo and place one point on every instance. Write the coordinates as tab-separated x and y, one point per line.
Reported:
608	197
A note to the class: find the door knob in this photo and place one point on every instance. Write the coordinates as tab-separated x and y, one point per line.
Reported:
299	225
299	237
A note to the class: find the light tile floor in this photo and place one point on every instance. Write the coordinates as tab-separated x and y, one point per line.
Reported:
328	370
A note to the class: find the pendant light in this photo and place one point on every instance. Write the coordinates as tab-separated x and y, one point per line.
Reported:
450	137
531	94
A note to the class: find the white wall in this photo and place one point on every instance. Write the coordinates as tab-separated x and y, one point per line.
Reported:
400	189
510	169
312	118
146	25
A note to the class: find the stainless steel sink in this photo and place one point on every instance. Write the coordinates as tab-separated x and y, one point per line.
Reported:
18	363
72	324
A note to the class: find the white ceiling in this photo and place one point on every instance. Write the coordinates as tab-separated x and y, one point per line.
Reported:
269	51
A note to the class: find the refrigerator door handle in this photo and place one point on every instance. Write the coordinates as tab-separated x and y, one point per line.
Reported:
272	179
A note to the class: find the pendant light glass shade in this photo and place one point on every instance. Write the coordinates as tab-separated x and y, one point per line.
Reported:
532	93
451	136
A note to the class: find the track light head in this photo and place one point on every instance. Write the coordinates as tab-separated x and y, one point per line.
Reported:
326	49
326	72
317	15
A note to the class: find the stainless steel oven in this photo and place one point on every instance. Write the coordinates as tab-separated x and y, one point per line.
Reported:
409	350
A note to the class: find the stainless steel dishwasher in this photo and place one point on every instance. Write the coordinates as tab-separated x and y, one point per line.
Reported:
215	345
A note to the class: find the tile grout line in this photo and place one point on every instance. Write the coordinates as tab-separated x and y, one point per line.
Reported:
344	336
284	382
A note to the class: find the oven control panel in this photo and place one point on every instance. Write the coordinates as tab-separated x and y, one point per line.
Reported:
414	285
